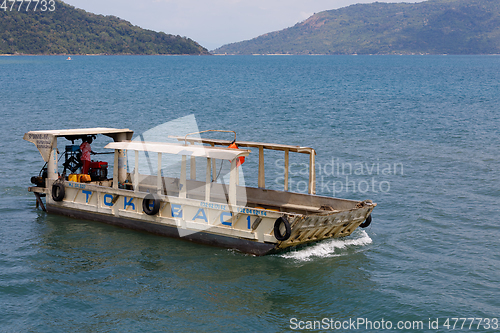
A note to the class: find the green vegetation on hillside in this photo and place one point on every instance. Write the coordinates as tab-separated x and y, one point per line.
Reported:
68	30
430	27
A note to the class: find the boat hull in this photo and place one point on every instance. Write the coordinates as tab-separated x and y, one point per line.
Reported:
206	238
243	228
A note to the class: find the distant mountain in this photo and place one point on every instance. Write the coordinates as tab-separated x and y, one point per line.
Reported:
67	30
430	27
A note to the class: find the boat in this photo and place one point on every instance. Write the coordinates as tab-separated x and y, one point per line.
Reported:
211	211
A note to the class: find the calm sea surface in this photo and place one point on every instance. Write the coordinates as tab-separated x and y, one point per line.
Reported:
419	135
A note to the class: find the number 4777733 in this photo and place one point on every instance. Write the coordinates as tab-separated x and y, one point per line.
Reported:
28	5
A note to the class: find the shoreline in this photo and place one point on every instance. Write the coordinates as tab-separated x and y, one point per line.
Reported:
97	54
222	54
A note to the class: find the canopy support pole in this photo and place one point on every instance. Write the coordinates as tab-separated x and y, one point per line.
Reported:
287	153
159	187
192	167
122	158
182	184
115	170
232	183
262	177
312	172
214	167
52	172
136	172
208	183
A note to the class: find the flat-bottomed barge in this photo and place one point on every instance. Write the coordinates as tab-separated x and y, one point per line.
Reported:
252	220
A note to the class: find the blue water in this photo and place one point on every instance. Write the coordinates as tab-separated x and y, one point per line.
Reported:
419	135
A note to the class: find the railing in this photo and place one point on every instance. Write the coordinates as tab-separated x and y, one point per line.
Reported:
261	146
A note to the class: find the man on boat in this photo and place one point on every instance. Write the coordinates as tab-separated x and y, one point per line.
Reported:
86	150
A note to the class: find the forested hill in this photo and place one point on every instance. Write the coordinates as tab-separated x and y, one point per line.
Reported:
57	28
429	27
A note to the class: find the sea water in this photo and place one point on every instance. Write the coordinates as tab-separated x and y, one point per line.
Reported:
418	135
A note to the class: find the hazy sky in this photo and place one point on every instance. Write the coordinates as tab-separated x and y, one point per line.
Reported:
213	23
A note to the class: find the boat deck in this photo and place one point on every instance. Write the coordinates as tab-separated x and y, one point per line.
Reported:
275	200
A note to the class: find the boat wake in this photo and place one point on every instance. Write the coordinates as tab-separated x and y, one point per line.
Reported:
329	248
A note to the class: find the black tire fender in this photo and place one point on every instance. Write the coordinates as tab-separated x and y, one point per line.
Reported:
58	191
367	222
146	204
277	229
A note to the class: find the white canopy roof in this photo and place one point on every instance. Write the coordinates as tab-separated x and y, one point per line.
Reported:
81	131
44	139
178	149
